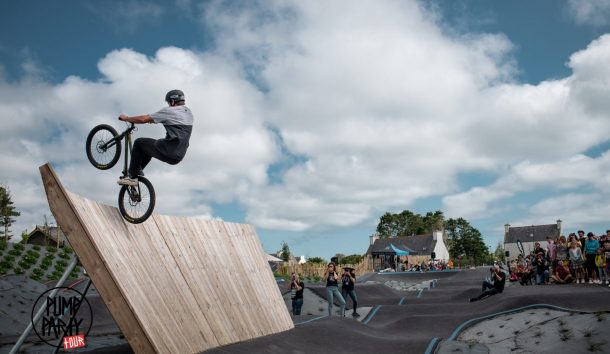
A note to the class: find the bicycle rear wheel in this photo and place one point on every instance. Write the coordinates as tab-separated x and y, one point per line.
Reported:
103	151
137	203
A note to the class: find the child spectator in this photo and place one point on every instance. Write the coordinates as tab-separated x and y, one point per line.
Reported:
607	255
542	270
600	262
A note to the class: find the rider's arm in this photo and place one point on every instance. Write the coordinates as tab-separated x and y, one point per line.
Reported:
136	119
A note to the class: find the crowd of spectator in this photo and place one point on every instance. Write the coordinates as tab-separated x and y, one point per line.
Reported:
575	259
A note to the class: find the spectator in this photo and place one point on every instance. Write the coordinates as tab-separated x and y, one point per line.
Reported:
538	249
562	274
562	250
489	289
582	239
576	261
551	252
332	288
591	246
606	250
600	262
296	294
348	281
542	270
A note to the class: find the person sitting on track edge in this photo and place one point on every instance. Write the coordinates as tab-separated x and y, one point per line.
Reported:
178	122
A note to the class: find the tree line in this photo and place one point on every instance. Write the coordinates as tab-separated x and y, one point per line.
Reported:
464	242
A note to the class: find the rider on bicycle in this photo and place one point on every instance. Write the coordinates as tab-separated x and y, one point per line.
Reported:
178	122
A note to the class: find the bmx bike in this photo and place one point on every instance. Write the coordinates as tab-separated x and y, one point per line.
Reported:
136	203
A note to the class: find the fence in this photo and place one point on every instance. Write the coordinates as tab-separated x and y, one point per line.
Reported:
317	269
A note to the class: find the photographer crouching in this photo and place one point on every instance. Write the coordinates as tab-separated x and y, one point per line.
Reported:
498	278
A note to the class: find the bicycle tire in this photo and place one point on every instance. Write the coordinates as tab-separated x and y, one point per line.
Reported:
131	199
98	157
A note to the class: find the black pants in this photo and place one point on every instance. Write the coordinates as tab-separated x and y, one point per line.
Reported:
591	267
352	294
143	151
487	290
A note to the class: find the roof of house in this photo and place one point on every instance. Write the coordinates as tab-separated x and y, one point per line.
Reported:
524	233
54	232
418	244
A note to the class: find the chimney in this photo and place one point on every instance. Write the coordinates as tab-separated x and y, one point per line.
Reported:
436	235
506	227
373	238
559	225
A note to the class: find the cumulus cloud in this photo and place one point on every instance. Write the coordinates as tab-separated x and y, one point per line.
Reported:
590	12
379	105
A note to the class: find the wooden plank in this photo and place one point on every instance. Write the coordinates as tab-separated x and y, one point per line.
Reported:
78	236
173	284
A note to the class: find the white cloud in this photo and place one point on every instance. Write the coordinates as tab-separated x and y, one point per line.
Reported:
590	12
378	103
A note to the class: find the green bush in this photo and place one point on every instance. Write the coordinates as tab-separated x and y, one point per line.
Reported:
15	252
46	262
19	271
67	250
30	259
51	249
36	248
61	263
64	256
38	271
6	264
35	277
3	245
33	254
3	270
9	258
18	246
25	264
55	275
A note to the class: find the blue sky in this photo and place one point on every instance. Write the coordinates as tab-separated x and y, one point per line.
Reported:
313	119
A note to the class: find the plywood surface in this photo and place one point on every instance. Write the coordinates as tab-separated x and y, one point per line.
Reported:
172	284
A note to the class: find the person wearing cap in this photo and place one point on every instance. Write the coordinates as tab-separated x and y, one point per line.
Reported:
348	281
591	246
489	289
177	120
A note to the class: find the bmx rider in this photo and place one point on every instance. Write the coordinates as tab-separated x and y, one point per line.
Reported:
178	122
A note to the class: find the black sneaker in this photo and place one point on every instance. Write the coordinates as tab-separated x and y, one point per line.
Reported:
355	314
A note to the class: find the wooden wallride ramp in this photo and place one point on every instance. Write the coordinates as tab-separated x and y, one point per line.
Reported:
172	284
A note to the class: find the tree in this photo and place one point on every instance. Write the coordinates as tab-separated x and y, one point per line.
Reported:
406	223
285	252
499	253
351	259
466	243
25	236
316	260
7	213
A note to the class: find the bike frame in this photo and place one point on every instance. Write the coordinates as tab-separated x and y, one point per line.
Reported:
128	145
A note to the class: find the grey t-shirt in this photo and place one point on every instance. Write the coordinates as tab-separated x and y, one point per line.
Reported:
178	123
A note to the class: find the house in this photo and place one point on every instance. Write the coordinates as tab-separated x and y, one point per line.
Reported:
521	239
47	236
388	252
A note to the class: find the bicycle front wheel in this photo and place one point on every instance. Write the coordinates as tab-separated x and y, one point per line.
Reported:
136	203
103	149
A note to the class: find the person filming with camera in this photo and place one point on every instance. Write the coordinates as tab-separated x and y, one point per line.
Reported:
296	294
498	278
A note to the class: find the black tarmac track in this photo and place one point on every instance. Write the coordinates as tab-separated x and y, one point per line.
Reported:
411	326
419	320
